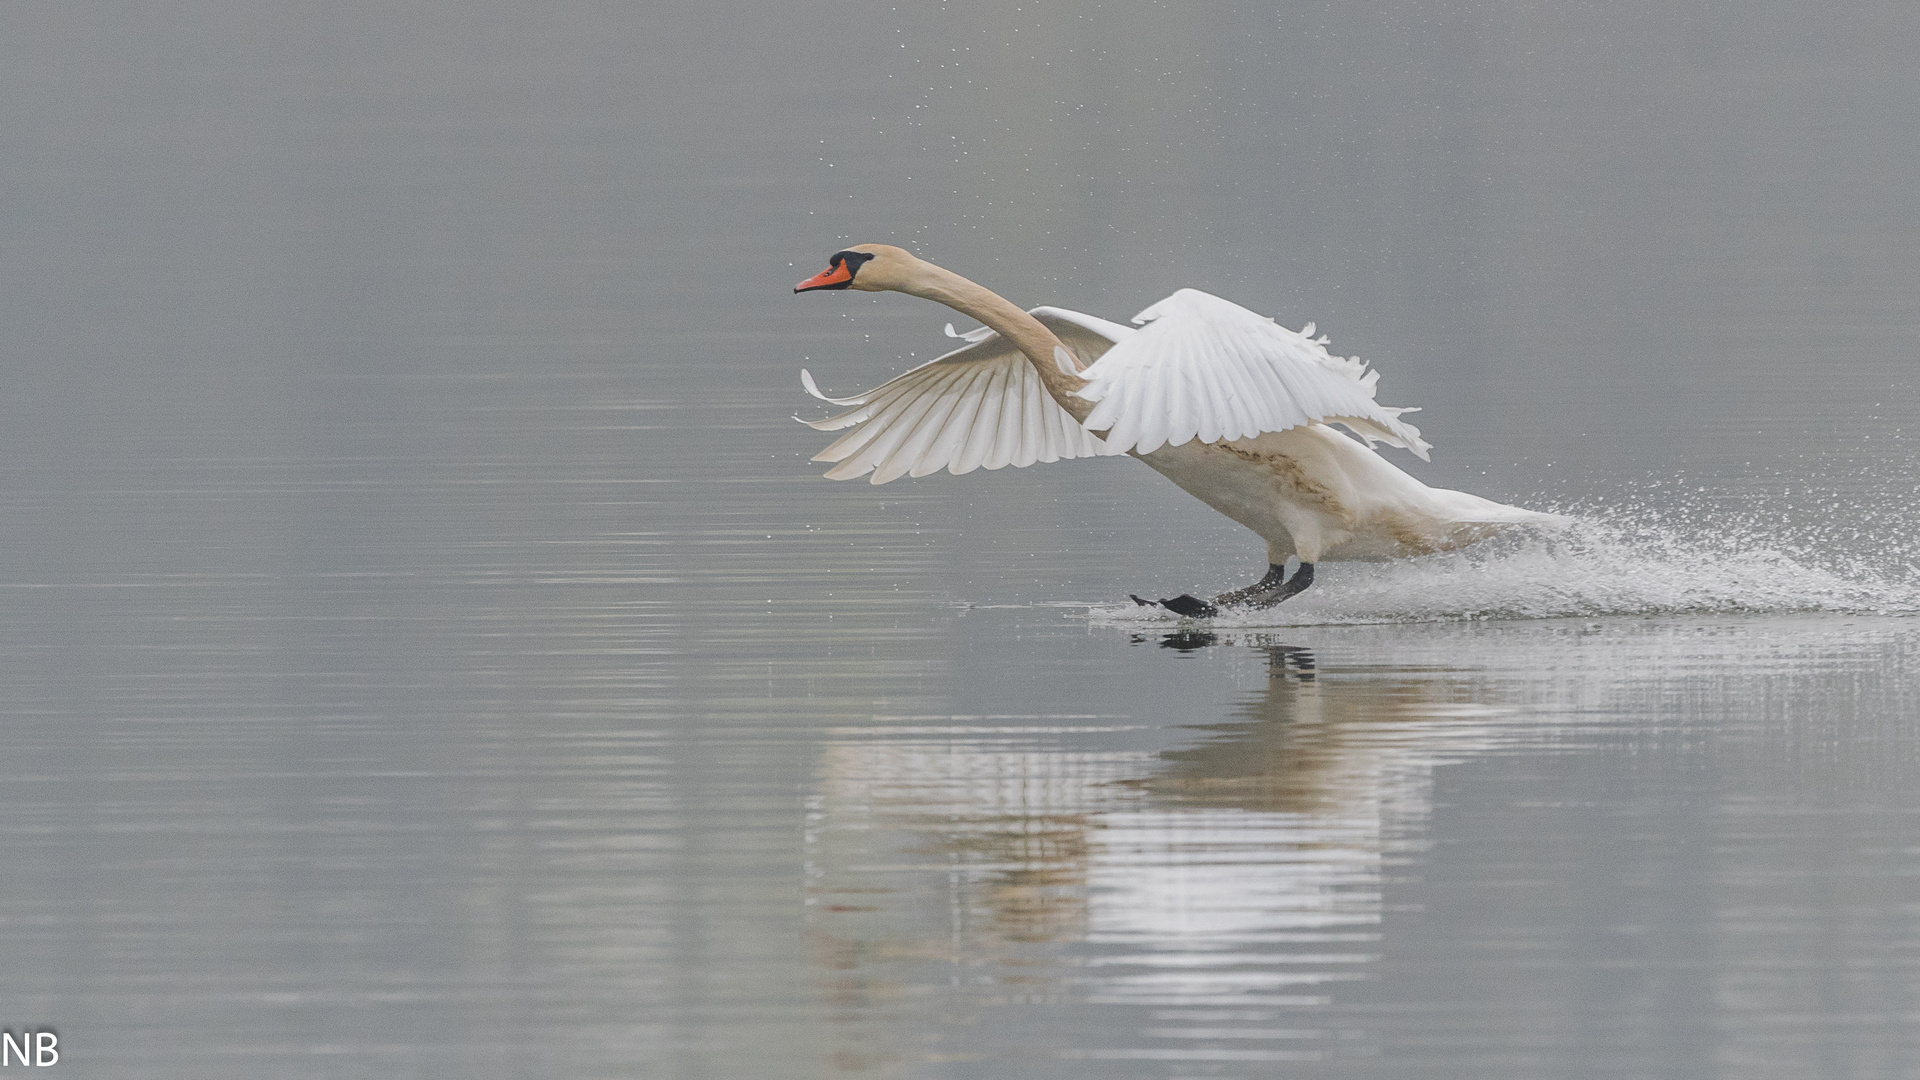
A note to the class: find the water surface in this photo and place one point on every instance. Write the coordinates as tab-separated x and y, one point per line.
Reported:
428	651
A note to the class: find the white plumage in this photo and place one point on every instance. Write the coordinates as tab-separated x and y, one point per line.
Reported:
1226	403
1202	368
979	406
1209	369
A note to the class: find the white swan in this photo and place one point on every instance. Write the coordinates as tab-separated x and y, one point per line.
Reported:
1223	402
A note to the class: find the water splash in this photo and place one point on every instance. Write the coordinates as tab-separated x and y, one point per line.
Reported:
1637	561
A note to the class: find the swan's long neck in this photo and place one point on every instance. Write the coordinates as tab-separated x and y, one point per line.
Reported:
1027	333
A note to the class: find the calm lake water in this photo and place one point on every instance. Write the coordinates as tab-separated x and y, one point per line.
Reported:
428	651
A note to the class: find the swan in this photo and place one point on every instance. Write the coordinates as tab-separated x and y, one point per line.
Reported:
1226	403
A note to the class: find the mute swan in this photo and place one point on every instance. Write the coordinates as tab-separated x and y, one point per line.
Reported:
1225	403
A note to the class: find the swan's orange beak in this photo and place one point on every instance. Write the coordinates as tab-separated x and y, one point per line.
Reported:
837	276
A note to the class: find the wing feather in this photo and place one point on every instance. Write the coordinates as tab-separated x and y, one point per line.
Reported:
1242	383
944	450
1217	402
1206	368
984	430
1006	431
883	407
807	383
979	405
882	450
1031	435
925	430
891	428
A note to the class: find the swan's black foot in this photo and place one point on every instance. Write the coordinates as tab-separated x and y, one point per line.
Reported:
1191	606
1269	590
1265	593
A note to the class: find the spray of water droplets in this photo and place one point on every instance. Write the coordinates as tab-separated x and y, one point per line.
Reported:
1627	561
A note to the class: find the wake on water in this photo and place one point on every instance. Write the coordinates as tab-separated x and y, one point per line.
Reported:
1604	563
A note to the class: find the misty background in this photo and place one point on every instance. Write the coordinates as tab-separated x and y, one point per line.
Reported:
428	650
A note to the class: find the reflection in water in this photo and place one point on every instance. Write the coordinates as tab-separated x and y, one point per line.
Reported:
1221	890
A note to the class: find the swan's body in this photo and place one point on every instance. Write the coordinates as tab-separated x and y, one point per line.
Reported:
1223	402
1314	493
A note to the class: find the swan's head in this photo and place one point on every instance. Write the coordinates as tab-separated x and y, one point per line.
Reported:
867	267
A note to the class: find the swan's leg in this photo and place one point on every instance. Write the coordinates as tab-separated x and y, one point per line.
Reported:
1302	578
1276	573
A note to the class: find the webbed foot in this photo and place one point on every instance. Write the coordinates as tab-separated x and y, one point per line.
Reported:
1265	593
1191	606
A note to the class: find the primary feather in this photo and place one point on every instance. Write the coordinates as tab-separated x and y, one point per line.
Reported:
981	405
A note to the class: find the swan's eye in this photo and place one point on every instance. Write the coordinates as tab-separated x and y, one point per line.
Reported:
854	259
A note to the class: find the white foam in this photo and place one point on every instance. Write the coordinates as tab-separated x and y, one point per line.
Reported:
1602	565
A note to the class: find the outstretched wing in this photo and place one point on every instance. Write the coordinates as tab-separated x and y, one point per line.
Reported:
1206	368
980	405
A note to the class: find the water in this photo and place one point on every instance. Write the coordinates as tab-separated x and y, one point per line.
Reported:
1375	852
428	651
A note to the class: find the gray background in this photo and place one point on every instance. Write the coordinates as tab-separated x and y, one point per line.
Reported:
428	651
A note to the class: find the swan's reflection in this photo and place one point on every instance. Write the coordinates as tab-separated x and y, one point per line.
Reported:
1220	889
1248	882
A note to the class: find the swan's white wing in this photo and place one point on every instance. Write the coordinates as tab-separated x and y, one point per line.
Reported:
1206	368
980	405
